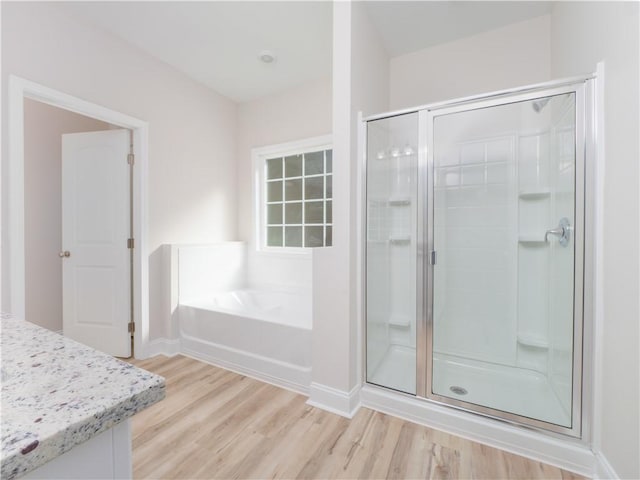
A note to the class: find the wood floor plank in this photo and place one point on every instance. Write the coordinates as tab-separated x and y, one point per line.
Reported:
218	424
276	433
287	443
321	458
208	420
349	448
194	408
383	447
180	396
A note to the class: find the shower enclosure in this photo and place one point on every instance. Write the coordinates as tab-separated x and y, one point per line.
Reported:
475	254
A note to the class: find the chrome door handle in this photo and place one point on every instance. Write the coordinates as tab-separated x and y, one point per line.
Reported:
563	231
66	254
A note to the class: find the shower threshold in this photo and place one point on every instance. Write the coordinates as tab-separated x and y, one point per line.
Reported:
510	389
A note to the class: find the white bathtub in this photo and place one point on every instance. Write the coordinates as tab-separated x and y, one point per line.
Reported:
262	333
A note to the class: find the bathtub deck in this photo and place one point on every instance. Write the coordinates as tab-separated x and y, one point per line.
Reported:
218	424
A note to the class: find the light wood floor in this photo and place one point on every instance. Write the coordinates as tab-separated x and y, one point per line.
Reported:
218	424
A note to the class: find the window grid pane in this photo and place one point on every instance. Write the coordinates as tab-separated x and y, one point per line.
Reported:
274	168
293	190
292	236
298	208
293	166
274	214
274	236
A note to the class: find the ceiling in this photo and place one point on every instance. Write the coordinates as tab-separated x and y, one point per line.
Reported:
407	26
217	43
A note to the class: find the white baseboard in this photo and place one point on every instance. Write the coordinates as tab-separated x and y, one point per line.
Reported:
342	403
281	374
604	470
161	346
568	454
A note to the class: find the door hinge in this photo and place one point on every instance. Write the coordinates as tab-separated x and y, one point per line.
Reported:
432	257
131	158
131	327
130	243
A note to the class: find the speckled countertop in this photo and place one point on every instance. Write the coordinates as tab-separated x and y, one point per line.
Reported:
58	393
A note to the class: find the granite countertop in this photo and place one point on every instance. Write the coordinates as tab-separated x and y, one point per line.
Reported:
58	393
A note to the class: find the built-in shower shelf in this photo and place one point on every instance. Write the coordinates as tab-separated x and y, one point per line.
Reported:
399	201
401	321
395	154
534	194
532	340
400	240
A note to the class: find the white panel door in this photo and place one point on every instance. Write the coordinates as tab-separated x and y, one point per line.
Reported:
95	228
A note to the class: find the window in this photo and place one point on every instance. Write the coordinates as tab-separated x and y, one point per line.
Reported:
296	197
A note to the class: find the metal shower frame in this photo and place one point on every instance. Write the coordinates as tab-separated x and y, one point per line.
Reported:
584	90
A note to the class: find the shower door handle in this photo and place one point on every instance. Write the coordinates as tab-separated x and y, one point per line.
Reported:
563	231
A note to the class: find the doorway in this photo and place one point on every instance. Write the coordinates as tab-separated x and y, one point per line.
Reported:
77	221
14	255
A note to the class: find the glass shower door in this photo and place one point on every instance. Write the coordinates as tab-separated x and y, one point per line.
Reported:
504	231
391	251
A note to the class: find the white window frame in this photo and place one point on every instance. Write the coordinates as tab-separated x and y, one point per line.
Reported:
259	157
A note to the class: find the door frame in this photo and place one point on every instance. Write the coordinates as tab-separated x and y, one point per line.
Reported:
19	89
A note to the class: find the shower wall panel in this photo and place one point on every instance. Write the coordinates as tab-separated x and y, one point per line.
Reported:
475	225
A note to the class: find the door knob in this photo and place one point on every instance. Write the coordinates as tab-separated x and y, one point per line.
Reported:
66	253
563	231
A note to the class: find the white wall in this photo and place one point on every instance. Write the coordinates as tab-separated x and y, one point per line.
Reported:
360	66
44	126
517	54
583	33
370	67
300	113
192	173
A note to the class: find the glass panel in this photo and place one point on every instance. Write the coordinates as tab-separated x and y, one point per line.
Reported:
327	236
313	212
314	163
293	166
274	191
293	213
274	168
391	251
293	189
292	236
274	236
329	156
314	187
329	187
274	214
313	236
503	295
329	212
